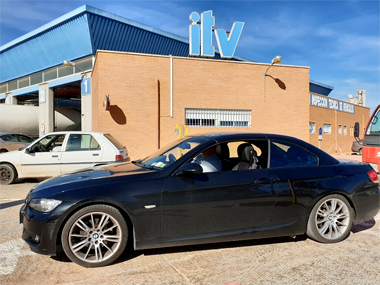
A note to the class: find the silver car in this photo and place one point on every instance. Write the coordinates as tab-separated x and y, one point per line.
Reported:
12	141
357	146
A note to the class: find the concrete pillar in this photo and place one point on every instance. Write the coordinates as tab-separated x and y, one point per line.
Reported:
46	109
86	102
9	99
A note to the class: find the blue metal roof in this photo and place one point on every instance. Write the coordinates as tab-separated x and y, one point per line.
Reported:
81	33
320	88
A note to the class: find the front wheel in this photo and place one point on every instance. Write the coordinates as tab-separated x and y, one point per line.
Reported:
95	236
330	220
8	174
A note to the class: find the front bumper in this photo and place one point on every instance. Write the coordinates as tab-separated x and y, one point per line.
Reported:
41	230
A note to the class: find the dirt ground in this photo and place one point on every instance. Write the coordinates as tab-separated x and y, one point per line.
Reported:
266	261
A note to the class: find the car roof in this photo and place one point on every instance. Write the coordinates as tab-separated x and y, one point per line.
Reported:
8	133
74	132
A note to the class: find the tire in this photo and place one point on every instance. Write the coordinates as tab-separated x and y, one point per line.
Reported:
8	174
330	220
95	236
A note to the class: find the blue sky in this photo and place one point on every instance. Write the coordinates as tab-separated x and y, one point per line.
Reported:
338	40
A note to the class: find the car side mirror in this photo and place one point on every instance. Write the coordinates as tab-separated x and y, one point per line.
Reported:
357	130
192	168
27	150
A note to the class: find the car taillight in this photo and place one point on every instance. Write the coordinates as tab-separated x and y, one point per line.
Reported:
119	157
373	176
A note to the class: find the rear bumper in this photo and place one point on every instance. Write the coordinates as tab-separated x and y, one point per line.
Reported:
367	204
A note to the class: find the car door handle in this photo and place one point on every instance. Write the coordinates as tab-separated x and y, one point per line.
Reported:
95	154
54	156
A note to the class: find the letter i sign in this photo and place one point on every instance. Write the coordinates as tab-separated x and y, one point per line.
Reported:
200	36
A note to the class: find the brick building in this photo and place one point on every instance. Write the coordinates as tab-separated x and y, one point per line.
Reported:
157	90
152	95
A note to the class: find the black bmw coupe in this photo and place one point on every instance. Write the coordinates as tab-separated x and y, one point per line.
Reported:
263	185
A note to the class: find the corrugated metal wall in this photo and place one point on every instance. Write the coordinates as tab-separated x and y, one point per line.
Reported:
69	40
108	34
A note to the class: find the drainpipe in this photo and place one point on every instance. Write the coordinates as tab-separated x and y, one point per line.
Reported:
171	86
158	113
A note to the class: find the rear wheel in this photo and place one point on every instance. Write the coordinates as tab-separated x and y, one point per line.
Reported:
95	236
8	174
330	220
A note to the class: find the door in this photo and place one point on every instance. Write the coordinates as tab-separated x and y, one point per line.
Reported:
81	151
217	202
42	159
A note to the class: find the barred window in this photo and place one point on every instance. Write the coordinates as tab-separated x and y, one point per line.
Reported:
217	118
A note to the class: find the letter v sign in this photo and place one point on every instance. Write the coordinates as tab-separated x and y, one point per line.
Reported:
228	45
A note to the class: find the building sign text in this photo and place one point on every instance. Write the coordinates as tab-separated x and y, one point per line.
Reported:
328	103
200	36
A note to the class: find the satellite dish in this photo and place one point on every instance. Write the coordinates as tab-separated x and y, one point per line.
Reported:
107	102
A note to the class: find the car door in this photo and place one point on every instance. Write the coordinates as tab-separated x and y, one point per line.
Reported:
39	160
298	174
217	202
81	151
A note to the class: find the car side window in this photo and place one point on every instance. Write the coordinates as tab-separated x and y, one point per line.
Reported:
284	154
245	155
79	142
48	143
9	138
24	139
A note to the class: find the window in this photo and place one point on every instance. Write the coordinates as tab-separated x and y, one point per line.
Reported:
311	127
217	118
327	128
345	130
26	139
36	78
50	74
339	130
374	125
9	138
77	142
284	154
23	82
48	143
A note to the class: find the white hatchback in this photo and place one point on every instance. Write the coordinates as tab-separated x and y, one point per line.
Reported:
60	152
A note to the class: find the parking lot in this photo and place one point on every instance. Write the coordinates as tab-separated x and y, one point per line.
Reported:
266	261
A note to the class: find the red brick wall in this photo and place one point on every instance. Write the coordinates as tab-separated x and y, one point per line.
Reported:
131	82
333	142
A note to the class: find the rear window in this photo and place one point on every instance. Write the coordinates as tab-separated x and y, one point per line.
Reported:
114	141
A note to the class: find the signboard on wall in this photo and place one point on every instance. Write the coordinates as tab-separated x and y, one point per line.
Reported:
329	103
86	86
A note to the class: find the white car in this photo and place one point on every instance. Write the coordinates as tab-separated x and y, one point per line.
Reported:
60	152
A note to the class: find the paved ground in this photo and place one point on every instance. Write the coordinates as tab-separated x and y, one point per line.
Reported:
267	261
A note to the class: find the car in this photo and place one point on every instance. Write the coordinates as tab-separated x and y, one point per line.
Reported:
60	152
357	146
13	141
269	186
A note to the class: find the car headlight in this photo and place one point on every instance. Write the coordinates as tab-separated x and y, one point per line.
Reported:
44	205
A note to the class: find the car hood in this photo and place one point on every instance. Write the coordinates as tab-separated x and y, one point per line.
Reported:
87	176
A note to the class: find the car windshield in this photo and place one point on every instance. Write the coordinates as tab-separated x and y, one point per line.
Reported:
167	155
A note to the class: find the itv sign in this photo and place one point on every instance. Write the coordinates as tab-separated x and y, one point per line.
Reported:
200	36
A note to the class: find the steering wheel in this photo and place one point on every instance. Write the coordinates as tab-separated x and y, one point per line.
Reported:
42	148
172	158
